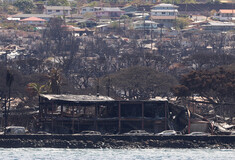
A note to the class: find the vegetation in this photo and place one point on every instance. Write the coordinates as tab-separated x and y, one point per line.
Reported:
181	22
25	5
216	86
58	3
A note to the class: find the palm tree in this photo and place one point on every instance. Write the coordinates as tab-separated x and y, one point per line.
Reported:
36	89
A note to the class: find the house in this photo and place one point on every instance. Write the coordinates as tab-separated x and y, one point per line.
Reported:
83	31
225	15
111	12
42	16
57	10
87	9
164	14
145	25
219	26
33	21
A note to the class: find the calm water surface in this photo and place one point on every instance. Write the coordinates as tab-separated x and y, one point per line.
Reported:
115	154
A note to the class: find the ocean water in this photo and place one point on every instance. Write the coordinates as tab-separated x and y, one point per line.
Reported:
115	154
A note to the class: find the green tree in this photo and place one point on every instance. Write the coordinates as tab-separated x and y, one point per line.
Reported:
25	5
58	3
35	89
181	22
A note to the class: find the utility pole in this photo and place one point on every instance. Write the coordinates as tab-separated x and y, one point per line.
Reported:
144	21
5	115
108	87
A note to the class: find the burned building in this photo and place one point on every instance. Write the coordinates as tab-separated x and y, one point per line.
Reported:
75	113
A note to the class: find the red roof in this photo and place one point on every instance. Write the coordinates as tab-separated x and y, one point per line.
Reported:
35	19
227	11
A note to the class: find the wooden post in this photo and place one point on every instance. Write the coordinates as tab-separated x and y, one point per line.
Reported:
142	126
61	110
52	125
73	120
78	118
119	116
95	122
78	126
165	116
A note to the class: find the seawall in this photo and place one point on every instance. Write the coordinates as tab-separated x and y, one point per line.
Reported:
116	141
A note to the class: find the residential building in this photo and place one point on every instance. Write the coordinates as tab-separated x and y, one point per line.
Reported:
164	14
87	9
225	15
42	16
33	21
219	26
112	12
145	25
57	10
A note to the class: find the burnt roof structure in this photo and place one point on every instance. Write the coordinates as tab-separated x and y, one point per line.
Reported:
79	99
67	113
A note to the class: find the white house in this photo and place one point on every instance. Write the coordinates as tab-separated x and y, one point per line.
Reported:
85	10
145	25
164	14
57	10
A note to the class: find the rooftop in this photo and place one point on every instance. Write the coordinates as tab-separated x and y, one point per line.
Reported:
58	7
163	17
76	98
227	11
217	23
35	19
111	9
31	15
165	5
163	10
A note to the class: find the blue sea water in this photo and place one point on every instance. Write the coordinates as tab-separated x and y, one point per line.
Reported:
115	154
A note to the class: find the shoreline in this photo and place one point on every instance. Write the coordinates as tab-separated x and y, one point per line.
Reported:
115	142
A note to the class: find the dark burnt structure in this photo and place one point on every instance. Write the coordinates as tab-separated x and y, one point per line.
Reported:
75	113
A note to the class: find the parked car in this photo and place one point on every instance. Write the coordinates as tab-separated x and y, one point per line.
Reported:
233	133
167	133
15	130
138	133
198	134
90	133
43	132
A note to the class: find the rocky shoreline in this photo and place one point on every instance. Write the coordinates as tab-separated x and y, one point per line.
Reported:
117	142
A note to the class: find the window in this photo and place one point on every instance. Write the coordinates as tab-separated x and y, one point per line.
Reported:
163	12
57	10
49	10
84	9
